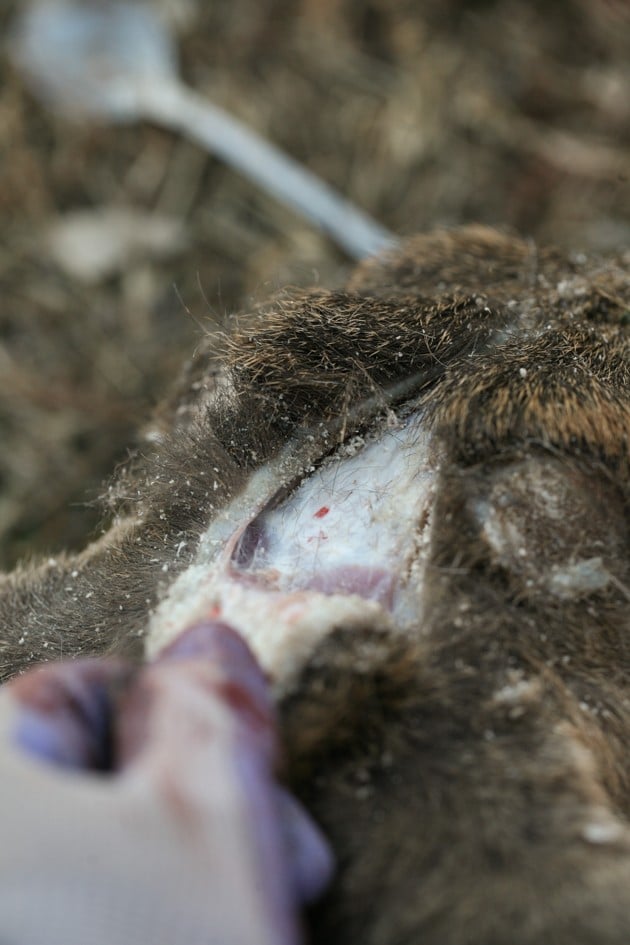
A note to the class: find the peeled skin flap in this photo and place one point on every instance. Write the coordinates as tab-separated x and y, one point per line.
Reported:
346	547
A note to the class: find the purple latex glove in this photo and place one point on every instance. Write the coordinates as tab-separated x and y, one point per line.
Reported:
157	817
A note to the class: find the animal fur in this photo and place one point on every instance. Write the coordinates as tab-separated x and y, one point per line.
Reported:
474	778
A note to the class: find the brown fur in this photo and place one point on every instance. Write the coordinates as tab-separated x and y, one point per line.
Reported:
474	781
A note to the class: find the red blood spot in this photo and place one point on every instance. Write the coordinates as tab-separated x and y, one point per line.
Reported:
322	512
214	612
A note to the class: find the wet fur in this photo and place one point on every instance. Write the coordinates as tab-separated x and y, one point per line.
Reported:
474	780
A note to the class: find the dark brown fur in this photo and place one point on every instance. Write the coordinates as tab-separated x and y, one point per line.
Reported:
475	781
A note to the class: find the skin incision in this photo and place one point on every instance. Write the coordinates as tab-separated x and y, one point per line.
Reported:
343	543
353	519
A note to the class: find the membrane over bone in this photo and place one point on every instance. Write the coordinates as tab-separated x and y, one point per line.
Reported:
341	546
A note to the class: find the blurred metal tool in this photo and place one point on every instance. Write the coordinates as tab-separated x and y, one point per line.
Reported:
116	61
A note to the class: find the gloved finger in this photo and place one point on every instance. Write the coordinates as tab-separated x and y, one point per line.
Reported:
217	667
62	711
311	863
206	702
196	731
310	858
240	680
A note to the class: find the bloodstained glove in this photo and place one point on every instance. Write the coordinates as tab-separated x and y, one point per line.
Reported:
139	807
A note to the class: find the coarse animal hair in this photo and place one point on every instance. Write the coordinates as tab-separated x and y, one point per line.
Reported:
474	775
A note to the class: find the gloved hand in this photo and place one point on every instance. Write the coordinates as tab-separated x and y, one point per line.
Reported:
139	807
